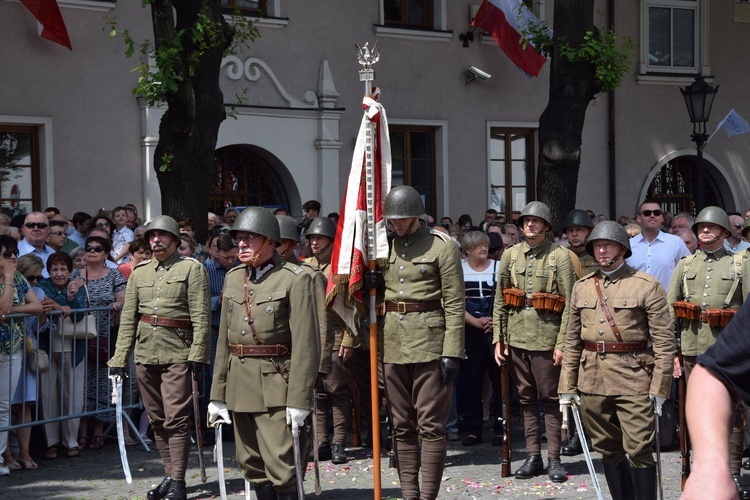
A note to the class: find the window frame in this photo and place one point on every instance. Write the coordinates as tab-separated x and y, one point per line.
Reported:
509	130
438	32
34	167
431	203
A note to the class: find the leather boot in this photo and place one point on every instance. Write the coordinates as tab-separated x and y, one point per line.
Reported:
644	482
573	447
160	491
324	451
338	456
176	491
742	491
265	491
433	463
532	466
556	472
287	496
407	456
619	481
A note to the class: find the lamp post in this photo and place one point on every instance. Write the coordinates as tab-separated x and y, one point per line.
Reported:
699	97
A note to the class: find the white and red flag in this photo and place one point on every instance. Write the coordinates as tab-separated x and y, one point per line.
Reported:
505	20
50	20
350	252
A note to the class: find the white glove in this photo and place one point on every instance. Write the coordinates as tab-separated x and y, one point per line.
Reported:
658	402
218	413
296	418
567	399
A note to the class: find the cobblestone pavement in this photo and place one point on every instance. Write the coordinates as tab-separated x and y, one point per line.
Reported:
470	472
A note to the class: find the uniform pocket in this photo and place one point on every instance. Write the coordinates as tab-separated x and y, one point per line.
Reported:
176	286
145	290
274	386
269	304
427	267
587	310
625	312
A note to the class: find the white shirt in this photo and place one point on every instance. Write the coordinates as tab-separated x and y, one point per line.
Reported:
742	245
658	258
25	248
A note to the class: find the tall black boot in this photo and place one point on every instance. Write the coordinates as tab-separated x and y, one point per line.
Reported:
265	491
177	491
619	481
160	491
644	482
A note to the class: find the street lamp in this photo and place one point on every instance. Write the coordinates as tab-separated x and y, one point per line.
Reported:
699	97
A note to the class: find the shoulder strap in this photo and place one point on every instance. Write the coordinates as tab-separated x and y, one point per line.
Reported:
552	268
688	260
737	264
605	309
576	263
513	258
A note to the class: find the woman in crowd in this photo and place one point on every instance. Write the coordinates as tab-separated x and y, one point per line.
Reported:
104	223
106	287
187	245
187	227
139	252
63	384
78	254
479	279
16	296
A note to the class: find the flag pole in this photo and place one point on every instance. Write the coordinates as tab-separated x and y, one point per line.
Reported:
367	75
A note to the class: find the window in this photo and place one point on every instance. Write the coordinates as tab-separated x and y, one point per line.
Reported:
245	6
19	169
511	169
413	157
674	37
408	13
673	186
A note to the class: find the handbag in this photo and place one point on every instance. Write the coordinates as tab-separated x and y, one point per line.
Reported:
38	359
85	328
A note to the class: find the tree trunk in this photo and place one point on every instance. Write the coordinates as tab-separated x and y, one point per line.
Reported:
572	87
184	156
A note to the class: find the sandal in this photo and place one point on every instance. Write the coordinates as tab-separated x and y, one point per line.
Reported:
52	452
82	442
28	465
72	452
95	443
13	465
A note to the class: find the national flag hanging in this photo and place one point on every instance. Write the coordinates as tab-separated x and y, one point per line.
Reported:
734	124
504	20
50	20
350	255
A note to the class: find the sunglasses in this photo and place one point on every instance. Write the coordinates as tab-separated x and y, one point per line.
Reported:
103	224
648	213
9	253
58	223
34	279
89	248
738	226
40	225
57	233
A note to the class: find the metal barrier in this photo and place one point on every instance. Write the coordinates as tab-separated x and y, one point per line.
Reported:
76	384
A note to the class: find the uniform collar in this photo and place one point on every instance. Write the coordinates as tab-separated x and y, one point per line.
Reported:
168	262
716	254
622	271
541	247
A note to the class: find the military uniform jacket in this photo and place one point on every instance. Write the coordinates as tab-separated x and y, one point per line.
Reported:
176	288
526	328
340	335
709	278
283	308
588	263
639	308
424	266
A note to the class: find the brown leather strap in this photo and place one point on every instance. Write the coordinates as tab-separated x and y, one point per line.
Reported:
408	307
529	302
168	322
259	351
605	347
605	309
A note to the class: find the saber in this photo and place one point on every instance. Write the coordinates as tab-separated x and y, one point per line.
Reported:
564	427
586	453
117	381
658	453
316	457
198	436
248	490
298	471
220	462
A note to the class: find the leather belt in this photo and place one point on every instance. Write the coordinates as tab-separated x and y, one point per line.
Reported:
605	347
703	317
259	351
529	302
168	322
408	307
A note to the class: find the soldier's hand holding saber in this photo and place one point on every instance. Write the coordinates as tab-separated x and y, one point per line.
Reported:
218	413
567	399
658	402
296	418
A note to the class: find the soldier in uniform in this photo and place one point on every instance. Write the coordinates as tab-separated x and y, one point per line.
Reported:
423	340
618	358
529	323
577	227
704	293
166	320
267	356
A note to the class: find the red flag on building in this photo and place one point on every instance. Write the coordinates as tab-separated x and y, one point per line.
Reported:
51	23
505	20
350	252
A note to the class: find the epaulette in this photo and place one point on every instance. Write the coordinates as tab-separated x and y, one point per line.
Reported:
241	266
143	262
446	238
184	257
291	267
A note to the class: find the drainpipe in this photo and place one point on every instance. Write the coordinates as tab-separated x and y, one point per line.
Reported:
612	166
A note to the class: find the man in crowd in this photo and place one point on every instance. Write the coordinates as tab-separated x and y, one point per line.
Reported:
576	228
709	281
165	319
35	231
654	251
489	216
230	215
532	330
423	341
267	357
58	238
688	236
734	242
682	220
512	231
598	370
331	388
80	222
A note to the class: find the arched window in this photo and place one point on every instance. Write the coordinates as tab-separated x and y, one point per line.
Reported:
673	187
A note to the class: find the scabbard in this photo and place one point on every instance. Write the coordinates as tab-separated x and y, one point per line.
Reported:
198	436
299	471
220	463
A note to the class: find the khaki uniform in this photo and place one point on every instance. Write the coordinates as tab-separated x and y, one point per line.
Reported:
281	298
177	289
614	387
588	263
533	335
423	267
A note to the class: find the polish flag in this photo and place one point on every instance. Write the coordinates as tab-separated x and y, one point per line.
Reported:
51	24
504	20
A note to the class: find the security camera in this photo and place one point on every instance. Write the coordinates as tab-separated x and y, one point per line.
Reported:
472	73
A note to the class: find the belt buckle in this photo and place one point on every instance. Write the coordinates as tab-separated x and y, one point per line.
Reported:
153	321
603	349
399	307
